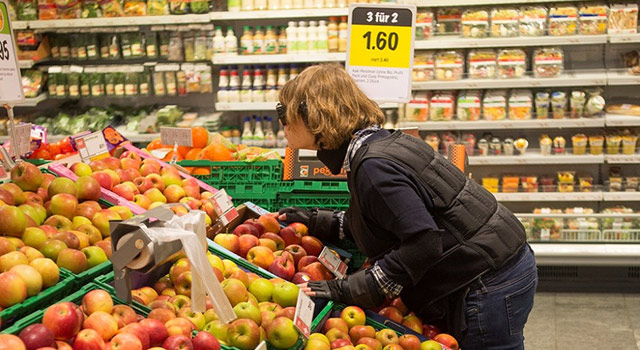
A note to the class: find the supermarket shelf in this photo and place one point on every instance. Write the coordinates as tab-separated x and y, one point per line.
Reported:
621	196
624	38
456	42
508	124
447	3
266	106
32	102
568	79
622	158
286	58
622	77
26	64
622	120
536	158
112	21
299	13
589	254
548	196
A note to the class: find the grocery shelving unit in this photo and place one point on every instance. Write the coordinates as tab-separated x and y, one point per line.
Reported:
507	124
576	78
284	58
277	14
441	42
111	22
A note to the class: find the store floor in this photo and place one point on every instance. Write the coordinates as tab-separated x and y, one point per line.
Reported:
578	321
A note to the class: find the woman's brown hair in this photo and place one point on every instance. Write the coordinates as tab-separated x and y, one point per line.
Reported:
335	106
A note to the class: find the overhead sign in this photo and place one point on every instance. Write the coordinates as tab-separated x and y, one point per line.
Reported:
10	80
380	50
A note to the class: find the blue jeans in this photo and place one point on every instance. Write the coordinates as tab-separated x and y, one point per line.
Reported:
498	305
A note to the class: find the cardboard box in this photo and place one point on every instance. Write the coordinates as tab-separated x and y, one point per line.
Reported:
304	165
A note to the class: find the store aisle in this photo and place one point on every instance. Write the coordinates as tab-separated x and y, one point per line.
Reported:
578	321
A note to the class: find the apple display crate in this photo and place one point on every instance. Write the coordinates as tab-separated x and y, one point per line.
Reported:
237	172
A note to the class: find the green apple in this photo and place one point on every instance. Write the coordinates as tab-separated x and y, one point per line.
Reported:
31	212
95	256
197	318
210	315
430	345
13	221
34	237
217	329
262	289
51	248
282	333
249	311
285	294
79	221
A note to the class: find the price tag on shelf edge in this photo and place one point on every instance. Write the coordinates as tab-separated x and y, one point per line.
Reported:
333	262
92	146
171	136
304	314
10	80
380	50
224	207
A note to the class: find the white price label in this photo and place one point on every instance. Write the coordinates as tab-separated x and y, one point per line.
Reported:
92	146
333	262
172	136
304	314
262	346
23	138
10	80
224	207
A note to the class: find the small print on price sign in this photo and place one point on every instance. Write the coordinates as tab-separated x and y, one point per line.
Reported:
333	263
23	138
304	314
10	80
92	146
172	136
224	207
380	50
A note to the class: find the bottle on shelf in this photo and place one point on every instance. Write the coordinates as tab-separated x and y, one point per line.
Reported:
233	5
281	141
247	5
330	3
235	135
319	4
269	136
298	4
271	90
247	135
234	85
343	34
258	41
308	4
341	3
282	40
302	40
258	134
223	85
270	41
312	37
332	35
292	37
282	76
260	5
218	42
245	88
231	42
246	41
274	4
322	37
286	4
294	71
257	90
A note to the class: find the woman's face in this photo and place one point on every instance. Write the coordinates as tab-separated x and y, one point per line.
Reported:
298	136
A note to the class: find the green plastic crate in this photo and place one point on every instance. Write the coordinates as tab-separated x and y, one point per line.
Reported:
64	287
313	186
268	201
91	274
37	162
76	298
357	257
339	201
237	172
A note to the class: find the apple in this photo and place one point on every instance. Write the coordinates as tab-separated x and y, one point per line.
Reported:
412	322
238	274
103	179
68	238
341	344
31	253
265	242
48	270
393	347
180	266
353	316
115	179
260	256
361	331
243	334
180	301
101	221
215	262
97	300
174	193
81	237
63	204
14	221
16	192
105	246
262	289
178	342
33	199
156	180
282	333
61	185
12	259
311	245
319	336
315	344
288	312
156	330
31	278
88	187
103	323
124	190
72	260
31	212
125	341
162	315
171	178
317	271
245	229
81	169
334	334
297	252
391	313
387	336
130	163
95	256
111	163
283	268
336	322
150	169
124	315
139	331
301	277
409	342
11	342
217	329
27	176
447	340
290	236
430	331
150	292
306	261
17	242
205	341
85	209
374	344
197	318
257	224
274	237
270	223
143	184
88	339
162	304
269	306
37	336
63	345
398	304
245	243
235	290
179	325
285	294
430	345
6	197
249	311
63	320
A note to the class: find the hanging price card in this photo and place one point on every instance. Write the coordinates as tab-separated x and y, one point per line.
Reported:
23	138
333	262
224	207
92	146
10	81
380	50
171	136
304	314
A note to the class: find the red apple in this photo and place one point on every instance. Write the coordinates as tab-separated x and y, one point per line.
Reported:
312	245
255	223
162	315
88	339
246	242
178	342
103	323
139	331
11	342
155	178
373	343
274	237
340	343
88	188
447	340
27	176
430	331
361	331
306	260
228	241
156	330
124	314
409	342
287	312
126	341
338	323
318	272
243	334
283	268
6	197
37	336
290	236
123	190
111	163
391	313
63	320
14	221
13	289
297	251
17	193
61	185
245	229
261	256
270	224
387	336
301	277
103	179
398	304
97	300
180	326
412	322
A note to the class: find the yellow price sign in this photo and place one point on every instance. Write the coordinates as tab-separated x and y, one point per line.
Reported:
380	50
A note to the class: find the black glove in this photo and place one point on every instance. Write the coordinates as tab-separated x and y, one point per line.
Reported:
359	289
322	223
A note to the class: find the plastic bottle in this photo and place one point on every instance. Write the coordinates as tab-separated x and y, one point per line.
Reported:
343	34
236	137
233	5
218	42
292	37
274	4
258	41
258	134
286	4
247	134
281	140
257	91
283	77
298	4
308	4
234	85
269	136
341	3
322	43
329	3
312	37
333	41
319	4
282	40
260	5
302	40
223	85
247	5
270	41
271	89
246	41
294	71
245	89
231	42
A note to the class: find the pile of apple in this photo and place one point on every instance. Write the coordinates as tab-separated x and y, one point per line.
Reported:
289	253
349	332
398	312
265	308
98	324
147	184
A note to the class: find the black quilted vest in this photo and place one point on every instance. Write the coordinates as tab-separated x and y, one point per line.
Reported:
478	233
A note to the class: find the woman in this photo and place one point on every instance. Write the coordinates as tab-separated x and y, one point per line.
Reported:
440	241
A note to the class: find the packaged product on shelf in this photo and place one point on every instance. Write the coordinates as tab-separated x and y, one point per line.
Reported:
441	106
32	82
510	183
631	183
615	182
469	105
199	6
559	144
547	184
85	85
193	80
563	20
576	102
521	145
69	9
417	110
164	39
206	81
613	143
27	10
175	48
93	46
579	144
433	140
449	65
482	64
596	144
595	103
505	22
448	140
158	84
424	24
47	11
64	47
135	8
566	181
110	84
125	45
170	83
113	41
448	20
76	44
491	184
483	146
151	45
545	144
188	43
91	9
618	223
181	82
533	21
495	146
52	84
61	85
97	85
469	141
623	19
137	45
593	19
548	62
423	66
529	183
558	104
520	104
507	146
542	105
131	84
200	47
494	105
119	85
475	23
179	7
585	183
158	7
512	63
629	143
111	8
